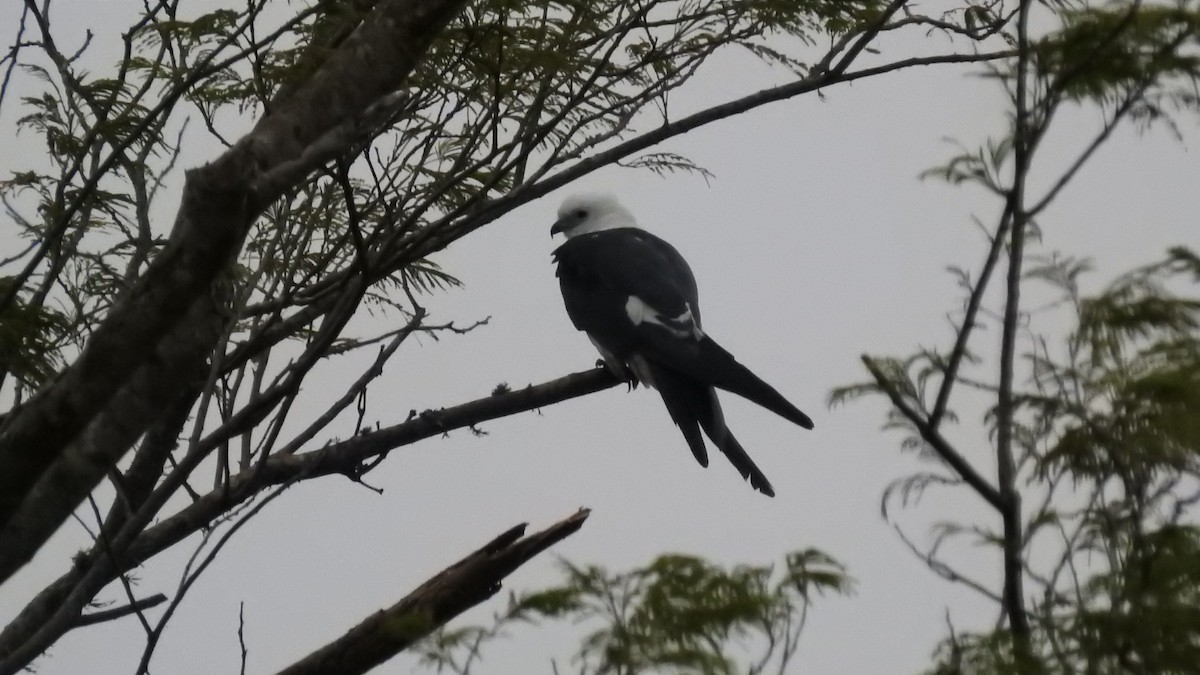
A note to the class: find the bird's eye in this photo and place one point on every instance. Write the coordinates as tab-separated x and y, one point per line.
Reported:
581	214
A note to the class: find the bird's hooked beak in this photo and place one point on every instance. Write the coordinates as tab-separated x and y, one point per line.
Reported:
560	226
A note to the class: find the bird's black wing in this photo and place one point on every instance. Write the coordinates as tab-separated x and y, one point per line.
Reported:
599	272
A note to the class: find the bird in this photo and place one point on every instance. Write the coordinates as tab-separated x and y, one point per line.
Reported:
635	297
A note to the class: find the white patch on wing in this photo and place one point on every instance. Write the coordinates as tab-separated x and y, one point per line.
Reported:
682	326
637	310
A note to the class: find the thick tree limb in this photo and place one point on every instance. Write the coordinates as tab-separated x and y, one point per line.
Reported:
218	206
159	381
449	593
56	608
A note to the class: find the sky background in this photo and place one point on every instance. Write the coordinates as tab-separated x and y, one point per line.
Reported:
815	242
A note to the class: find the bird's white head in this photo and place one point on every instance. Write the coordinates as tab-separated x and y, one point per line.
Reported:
593	212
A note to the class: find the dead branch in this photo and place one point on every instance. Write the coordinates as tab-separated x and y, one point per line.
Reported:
449	593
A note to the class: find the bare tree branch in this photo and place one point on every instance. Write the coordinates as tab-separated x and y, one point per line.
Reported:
351	456
958	352
94	618
447	594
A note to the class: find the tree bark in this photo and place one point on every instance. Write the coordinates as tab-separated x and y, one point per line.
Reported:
220	202
452	591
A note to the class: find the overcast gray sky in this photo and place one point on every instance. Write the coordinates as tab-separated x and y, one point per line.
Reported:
815	242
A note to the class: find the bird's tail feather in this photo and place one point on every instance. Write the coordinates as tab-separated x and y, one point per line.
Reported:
712	364
742	462
690	403
675	395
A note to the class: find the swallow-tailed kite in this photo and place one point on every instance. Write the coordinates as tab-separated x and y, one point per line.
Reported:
635	297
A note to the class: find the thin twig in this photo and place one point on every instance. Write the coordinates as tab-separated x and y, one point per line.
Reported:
135	607
241	633
935	440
